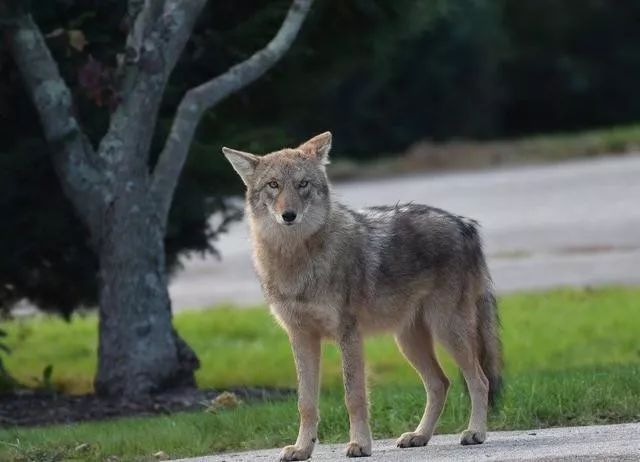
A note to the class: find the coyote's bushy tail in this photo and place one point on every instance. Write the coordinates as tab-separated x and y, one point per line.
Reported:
490	345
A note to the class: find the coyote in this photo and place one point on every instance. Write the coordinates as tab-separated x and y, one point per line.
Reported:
329	272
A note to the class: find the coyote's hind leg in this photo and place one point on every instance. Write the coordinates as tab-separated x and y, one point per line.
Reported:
416	343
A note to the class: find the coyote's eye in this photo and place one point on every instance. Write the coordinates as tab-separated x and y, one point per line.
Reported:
273	184
303	184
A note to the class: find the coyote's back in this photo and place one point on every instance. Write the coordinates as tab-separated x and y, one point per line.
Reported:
431	259
332	272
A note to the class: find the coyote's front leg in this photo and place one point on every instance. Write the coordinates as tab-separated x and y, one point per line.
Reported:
306	352
355	393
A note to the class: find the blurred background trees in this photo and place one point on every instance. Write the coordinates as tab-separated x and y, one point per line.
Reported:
381	75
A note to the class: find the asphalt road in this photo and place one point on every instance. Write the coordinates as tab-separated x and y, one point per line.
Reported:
574	223
597	443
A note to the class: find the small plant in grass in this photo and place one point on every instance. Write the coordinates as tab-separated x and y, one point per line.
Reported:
7	382
44	382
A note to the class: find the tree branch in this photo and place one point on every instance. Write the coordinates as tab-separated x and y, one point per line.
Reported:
141	14
72	153
199	99
161	35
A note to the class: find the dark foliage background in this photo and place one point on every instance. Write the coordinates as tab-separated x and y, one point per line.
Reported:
381	75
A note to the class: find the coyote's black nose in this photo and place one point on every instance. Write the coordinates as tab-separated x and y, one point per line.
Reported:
288	216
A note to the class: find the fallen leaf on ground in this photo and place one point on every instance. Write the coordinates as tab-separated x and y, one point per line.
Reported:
225	400
161	455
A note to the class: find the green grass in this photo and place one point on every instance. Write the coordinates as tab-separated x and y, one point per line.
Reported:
572	357
470	154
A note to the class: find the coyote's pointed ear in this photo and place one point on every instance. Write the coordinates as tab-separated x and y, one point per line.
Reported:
243	163
319	147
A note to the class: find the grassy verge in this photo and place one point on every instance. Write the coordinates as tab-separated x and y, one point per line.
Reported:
466	155
572	358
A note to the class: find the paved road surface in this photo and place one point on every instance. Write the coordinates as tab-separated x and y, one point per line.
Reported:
574	223
598	443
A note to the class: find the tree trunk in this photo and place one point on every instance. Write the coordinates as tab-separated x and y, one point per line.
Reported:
139	351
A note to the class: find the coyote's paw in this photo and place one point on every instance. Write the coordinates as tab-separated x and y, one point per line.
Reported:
472	437
357	450
294	453
412	440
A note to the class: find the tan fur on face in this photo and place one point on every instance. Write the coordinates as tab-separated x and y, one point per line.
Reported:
413	270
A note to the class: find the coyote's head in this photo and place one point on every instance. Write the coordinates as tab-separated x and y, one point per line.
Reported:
287	189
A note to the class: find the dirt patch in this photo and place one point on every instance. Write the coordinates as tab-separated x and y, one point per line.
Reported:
30	408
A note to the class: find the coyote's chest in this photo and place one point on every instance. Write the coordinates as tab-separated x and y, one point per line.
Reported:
292	279
300	291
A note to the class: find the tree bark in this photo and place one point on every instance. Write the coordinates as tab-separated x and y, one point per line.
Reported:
139	352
